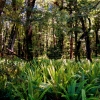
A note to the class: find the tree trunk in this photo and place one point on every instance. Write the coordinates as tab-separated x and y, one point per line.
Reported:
0	35
19	47
86	36
71	32
28	41
88	49
78	49
97	42
4	41
28	31
12	39
75	32
2	4
71	47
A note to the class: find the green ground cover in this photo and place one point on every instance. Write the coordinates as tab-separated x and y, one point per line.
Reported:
46	79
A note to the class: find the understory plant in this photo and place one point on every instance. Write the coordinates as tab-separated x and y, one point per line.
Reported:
44	79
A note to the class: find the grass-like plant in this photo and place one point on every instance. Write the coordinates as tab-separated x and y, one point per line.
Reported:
44	79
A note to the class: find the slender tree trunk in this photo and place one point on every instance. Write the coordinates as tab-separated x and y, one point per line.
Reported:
2	4
46	47
71	42
53	32
78	49
71	47
71	32
97	42
19	47
12	39
4	41
75	32
88	49
0	35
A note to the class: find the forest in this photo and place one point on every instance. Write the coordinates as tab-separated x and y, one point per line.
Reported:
49	49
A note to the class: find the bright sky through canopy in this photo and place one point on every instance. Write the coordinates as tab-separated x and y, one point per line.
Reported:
46	1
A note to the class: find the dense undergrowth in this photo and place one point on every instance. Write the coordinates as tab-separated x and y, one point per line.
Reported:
45	79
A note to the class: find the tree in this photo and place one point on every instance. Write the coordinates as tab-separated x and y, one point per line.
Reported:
80	8
96	28
36	24
2	4
14	30
28	30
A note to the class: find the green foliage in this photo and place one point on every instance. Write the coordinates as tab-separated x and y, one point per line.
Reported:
54	53
45	79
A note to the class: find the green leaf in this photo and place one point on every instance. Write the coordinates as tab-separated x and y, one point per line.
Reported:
83	94
66	95
44	92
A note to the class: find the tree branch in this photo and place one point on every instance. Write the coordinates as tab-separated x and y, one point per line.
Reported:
14	53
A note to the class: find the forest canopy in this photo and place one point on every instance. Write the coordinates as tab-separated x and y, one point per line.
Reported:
55	28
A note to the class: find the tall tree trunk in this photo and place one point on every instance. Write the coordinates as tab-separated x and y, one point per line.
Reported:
0	35
28	41
4	41
97	42
19	47
78	49
86	36
75	32
28	30
88	49
12	39
71	40
71	46
71	32
2	4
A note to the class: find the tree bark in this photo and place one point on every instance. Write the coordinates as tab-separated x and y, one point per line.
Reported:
71	32
97	42
28	41
71	47
75	32
12	38
2	4
28	30
4	41
86	36
88	49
